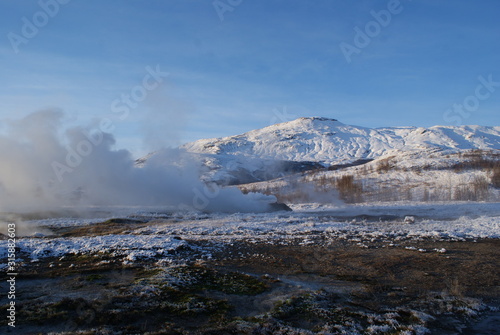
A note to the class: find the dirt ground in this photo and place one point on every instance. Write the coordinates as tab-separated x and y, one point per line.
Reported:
268	288
466	268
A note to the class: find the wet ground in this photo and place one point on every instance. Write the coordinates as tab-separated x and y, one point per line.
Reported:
325	287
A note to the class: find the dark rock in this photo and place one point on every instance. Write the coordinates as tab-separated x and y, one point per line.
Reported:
279	206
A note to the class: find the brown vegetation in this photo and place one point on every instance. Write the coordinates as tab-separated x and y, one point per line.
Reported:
472	179
385	165
495	177
349	190
476	190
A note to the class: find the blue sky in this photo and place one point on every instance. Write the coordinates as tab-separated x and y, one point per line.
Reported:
238	65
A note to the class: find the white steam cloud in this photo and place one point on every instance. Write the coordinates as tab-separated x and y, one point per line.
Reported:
46	166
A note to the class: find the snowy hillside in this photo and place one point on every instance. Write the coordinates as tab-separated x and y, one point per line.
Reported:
311	142
466	175
329	141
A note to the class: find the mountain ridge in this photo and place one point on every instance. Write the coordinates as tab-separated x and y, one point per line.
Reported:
328	141
311	143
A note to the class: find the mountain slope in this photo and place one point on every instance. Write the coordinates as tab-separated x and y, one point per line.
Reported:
328	141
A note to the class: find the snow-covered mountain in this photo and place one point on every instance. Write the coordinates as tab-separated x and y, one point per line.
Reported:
311	142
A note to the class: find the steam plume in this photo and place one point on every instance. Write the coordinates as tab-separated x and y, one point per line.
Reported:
46	166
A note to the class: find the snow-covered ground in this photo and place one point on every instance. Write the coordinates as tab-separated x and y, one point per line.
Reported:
130	246
388	223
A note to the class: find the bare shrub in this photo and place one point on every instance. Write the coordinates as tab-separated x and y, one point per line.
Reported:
349	190
384	165
303	192
426	196
323	183
495	176
477	160
480	186
296	196
476	190
408	193
463	192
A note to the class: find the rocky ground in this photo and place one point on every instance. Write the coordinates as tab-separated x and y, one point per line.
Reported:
327	286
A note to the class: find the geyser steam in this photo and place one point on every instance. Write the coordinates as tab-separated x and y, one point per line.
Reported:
46	166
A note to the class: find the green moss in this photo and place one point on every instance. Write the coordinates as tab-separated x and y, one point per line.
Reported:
297	306
120	221
148	273
199	278
48	313
179	302
93	277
